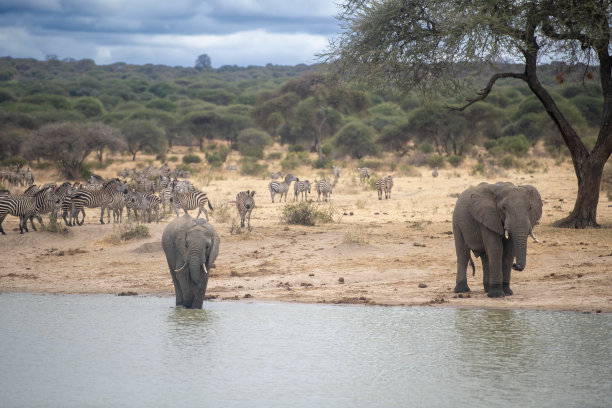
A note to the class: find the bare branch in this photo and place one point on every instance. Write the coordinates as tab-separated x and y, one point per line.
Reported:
482	95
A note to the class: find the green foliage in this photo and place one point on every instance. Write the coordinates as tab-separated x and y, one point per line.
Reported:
307	213
128	231
173	159
14	161
214	159
455	160
191	158
89	107
252	142
296	148
479	168
508	162
436	160
293	160
356	140
425	147
251	167
274	156
516	145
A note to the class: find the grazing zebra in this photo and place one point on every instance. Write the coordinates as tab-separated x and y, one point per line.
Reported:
388	186
336	171
245	205
97	198
323	187
151	204
23	207
364	173
301	187
190	201
282	187
380	185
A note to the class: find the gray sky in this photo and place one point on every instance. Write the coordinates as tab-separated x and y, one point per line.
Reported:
231	32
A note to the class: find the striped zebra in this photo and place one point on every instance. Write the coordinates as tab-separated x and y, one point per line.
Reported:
149	205
281	188
380	186
388	186
23	207
245	205
93	199
323	187
364	173
301	187
190	201
56	199
116	206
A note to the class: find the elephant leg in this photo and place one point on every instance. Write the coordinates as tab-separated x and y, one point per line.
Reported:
507	261
463	256
493	256
486	272
177	288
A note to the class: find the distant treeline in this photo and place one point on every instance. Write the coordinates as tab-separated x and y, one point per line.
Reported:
139	108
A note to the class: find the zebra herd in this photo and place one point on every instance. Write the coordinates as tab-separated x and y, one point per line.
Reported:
116	195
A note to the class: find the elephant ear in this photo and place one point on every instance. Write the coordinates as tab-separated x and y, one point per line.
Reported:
535	204
483	208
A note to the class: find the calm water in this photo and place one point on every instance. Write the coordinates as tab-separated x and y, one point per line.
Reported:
105	351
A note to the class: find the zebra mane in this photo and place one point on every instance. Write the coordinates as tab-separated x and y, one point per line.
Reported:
42	191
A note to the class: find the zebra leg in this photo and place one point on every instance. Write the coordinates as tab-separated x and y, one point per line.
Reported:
102	216
249	220
2	217
77	217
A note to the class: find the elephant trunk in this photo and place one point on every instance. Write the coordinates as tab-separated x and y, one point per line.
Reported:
195	261
520	251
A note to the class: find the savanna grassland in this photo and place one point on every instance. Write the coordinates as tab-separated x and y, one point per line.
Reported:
365	251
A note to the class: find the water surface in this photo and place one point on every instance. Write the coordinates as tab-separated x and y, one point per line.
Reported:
103	351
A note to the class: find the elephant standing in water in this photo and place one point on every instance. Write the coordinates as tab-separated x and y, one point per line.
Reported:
191	247
494	221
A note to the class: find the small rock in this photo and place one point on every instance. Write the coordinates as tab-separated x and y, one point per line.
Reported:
247	296
340	280
422	285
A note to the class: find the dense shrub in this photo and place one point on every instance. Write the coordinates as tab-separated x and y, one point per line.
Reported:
517	145
425	147
455	160
436	160
251	167
306	213
191	158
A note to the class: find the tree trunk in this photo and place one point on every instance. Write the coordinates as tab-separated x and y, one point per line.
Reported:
588	165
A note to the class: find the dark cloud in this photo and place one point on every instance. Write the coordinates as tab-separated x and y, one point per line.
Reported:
167	32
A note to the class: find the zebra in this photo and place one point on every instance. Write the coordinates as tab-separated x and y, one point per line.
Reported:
323	187
23	207
245	205
281	188
117	205
301	187
364	173
190	201
388	186
97	198
56	199
336	171
380	185
149	205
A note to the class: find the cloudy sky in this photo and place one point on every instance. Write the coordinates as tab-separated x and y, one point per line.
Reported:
169	32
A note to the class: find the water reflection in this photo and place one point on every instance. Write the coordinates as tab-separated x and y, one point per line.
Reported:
108	351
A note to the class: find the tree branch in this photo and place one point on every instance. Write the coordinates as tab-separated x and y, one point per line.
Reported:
485	92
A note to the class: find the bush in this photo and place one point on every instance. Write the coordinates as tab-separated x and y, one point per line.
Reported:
251	167
508	162
436	160
127	231
191	158
173	159
294	160
306	213
479	168
252	139
517	145
297	148
425	147
214	159
455	160
13	161
255	152
274	156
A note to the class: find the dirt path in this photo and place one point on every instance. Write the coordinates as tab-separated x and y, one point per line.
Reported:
389	252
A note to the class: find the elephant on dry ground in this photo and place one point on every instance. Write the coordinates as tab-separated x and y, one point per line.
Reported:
494	221
191	246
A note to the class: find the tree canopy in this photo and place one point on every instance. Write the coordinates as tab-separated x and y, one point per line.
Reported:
434	45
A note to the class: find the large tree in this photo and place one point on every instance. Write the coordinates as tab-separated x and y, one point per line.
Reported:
433	45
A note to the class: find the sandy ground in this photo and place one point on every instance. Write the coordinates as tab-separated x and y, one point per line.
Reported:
390	252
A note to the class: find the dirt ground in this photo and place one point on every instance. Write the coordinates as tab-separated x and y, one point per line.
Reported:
390	252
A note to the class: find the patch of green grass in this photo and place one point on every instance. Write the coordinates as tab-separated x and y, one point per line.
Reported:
307	213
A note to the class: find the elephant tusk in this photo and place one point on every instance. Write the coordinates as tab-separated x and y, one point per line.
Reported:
506	235
181	268
205	270
532	235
